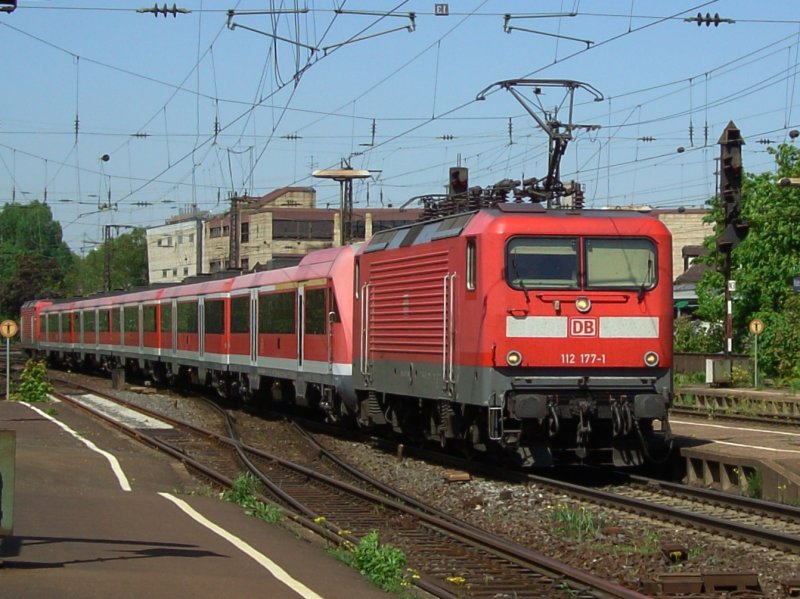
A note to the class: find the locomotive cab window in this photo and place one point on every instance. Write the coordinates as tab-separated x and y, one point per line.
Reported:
542	263
620	263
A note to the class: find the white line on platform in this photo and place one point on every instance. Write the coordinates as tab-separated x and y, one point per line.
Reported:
115	467
736	428
776	450
749	430
274	569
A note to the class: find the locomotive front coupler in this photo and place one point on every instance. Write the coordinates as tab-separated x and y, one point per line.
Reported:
584	429
621	416
553	422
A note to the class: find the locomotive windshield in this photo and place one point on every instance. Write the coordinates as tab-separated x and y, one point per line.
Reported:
620	263
553	263
542	262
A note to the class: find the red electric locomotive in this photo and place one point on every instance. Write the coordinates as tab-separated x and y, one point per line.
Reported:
547	333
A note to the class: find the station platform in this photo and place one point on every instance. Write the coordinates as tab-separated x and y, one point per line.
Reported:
77	532
756	460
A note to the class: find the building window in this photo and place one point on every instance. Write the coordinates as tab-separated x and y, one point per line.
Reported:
191	237
226	230
180	238
159	242
174	272
215	265
291	229
185	270
169	241
245	237
215	231
245	263
164	273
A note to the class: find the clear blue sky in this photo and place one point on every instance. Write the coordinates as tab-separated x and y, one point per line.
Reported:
149	91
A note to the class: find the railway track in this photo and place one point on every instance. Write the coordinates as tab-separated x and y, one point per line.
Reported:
772	525
453	559
764	523
752	521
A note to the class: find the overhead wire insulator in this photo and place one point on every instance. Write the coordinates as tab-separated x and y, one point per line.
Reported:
164	10
708	19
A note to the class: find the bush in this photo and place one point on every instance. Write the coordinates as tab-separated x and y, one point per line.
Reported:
696	336
33	385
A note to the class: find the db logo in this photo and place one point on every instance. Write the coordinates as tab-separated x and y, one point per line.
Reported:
583	327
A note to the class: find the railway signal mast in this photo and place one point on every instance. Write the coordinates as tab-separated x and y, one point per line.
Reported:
735	229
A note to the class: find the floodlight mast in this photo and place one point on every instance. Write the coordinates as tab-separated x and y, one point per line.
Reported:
345	177
559	133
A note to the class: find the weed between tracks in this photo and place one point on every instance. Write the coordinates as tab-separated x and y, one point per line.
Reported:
243	493
579	522
383	565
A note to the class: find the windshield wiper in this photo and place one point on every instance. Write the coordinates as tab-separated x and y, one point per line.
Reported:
519	278
642	287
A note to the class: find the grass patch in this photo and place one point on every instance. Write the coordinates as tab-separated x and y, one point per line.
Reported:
243	493
576	522
383	565
649	545
754	484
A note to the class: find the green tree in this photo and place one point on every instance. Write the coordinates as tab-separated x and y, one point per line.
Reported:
128	265
35	258
763	266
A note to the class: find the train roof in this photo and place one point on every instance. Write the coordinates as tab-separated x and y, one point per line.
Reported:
481	220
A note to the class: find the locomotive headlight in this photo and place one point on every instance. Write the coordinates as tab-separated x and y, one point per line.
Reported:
651	359
513	358
583	304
